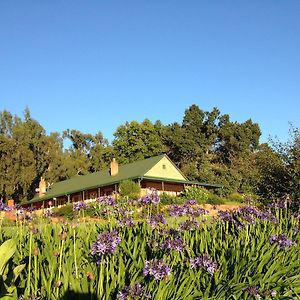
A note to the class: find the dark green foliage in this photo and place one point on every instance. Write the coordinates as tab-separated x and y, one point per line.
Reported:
215	200
129	189
65	211
168	199
207	146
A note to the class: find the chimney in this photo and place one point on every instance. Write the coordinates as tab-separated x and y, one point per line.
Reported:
114	167
42	187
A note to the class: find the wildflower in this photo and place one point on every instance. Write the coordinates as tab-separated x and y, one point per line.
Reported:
77	206
4	207
126	222
190	202
29	297
106	200
173	244
225	216
156	268
151	198
253	290
177	210
134	292
106	243
189	225
156	220
203	262
282	241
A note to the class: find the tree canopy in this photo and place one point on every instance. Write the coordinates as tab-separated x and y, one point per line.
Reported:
207	146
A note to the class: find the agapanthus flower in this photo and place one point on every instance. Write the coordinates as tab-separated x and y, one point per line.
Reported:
190	202
266	216
106	200
126	222
189	225
135	292
173	244
80	205
156	268
177	210
225	216
29	297
282	241
204	262
106	243
151	198
254	291
280	203
156	220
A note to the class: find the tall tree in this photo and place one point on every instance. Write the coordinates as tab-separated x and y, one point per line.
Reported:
135	141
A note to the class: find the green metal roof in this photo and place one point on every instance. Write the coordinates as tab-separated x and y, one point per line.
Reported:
135	170
98	179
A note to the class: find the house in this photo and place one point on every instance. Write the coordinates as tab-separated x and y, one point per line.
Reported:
157	172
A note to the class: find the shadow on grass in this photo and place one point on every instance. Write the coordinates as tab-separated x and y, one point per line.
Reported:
71	295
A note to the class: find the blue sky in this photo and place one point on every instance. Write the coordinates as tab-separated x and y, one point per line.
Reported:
92	65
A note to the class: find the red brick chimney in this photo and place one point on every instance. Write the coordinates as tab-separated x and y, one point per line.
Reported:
114	167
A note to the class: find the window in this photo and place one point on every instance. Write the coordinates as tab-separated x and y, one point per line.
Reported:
164	166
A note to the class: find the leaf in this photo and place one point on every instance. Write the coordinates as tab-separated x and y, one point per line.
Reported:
7	250
17	271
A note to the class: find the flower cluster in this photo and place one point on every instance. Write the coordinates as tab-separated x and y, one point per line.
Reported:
249	213
134	292
186	209
106	243
225	216
280	203
80	205
189	225
176	244
282	241
203	262
156	220
151	198
156	268
254	291
106	200
126	222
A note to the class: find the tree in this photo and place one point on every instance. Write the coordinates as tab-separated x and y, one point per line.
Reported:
136	141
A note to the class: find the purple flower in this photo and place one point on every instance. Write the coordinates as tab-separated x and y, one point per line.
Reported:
177	210
189	225
280	203
266	216
151	198
173	244
282	241
203	262
253	290
134	292
190	202
29	298
225	216
80	205
156	268
106	200
106	243
126	222
156	220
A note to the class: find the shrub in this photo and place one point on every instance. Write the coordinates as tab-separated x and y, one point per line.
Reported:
129	189
215	200
169	199
199	194
64	211
235	197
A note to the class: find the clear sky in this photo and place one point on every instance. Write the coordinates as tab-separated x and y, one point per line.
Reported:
92	65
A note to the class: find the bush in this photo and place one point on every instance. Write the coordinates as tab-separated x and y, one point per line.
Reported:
169	199
235	197
215	200
199	194
129	189
64	211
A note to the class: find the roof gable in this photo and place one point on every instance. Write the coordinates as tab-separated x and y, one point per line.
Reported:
165	168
